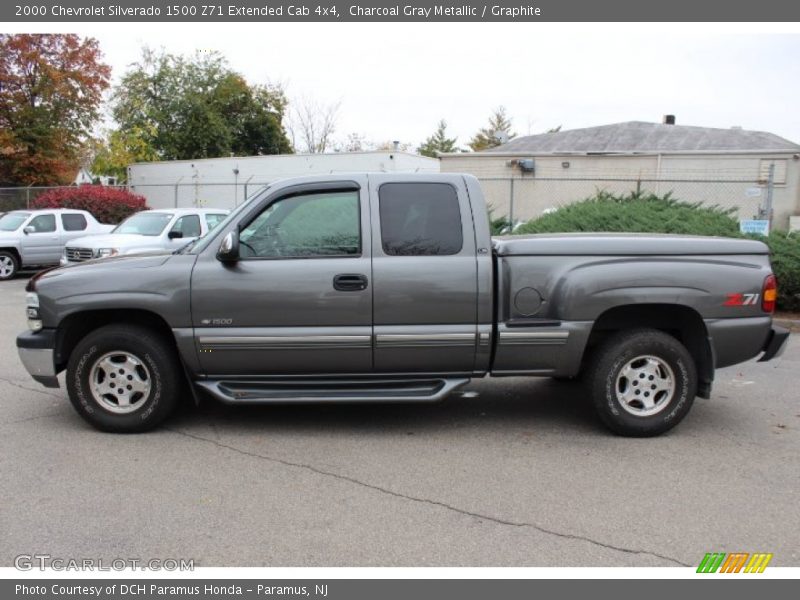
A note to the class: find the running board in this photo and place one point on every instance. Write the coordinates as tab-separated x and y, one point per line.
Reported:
331	391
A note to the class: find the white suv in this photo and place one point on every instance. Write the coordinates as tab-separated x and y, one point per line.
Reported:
146	232
36	238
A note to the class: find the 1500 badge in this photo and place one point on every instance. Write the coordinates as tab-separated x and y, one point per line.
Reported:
216	322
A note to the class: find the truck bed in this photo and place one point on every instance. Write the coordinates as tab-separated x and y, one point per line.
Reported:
623	244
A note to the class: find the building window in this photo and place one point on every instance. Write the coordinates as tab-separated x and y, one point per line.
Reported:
779	174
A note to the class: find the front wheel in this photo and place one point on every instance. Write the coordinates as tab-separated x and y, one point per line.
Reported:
642	382
124	378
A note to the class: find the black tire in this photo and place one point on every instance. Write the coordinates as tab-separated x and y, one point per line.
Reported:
158	365
10	264
607	382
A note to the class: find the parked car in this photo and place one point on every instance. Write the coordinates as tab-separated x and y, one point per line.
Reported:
146	232
36	238
388	287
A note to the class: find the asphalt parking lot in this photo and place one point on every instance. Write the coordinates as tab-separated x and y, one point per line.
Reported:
521	476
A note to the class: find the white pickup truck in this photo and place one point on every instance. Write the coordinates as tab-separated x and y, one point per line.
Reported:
36	238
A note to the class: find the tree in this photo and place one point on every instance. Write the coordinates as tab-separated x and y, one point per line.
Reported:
438	142
312	125
390	145
354	142
198	107
119	149
51	87
497	132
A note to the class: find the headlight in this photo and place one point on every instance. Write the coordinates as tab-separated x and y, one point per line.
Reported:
106	252
32	310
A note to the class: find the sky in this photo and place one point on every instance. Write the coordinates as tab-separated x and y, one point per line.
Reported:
395	81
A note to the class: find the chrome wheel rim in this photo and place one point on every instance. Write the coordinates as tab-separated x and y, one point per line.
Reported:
120	382
6	266
645	386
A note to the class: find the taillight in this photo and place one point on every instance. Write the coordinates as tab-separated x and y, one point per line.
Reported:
769	294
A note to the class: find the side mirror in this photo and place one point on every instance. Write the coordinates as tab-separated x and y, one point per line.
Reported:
29	229
229	248
175	235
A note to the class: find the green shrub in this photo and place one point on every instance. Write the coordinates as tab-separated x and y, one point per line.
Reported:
636	213
785	249
498	225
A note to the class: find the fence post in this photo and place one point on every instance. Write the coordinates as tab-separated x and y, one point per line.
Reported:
246	183
770	187
28	197
511	205
176	191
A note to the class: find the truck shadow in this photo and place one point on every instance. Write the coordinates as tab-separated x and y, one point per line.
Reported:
541	404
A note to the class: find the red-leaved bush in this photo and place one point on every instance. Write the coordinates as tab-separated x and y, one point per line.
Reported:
108	205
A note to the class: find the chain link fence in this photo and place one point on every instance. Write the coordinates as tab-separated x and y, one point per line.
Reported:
518	198
522	199
21	198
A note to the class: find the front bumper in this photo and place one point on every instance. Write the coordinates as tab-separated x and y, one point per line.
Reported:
776	343
37	353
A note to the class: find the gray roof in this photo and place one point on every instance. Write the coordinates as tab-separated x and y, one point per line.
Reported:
638	136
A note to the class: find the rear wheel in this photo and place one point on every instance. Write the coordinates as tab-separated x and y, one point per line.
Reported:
8	265
124	378
642	382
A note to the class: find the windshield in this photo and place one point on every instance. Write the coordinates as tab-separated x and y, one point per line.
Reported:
12	221
144	223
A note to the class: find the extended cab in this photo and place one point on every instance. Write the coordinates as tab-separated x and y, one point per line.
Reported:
387	287
36	238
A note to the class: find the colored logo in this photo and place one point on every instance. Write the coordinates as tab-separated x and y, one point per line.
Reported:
741	300
735	562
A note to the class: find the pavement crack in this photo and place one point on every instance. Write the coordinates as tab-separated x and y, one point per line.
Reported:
26	419
13	383
437	503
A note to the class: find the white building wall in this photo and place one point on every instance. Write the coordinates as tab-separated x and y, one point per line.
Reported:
225	182
726	180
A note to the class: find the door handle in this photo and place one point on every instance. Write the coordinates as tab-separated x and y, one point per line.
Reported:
350	282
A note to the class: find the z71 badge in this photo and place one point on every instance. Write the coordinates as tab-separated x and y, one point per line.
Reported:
741	300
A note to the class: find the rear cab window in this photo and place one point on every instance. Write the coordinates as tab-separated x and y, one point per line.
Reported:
420	219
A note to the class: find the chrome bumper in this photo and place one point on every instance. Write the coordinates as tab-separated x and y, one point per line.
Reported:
38	358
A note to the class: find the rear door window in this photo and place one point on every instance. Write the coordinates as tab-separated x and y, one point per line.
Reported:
420	219
73	222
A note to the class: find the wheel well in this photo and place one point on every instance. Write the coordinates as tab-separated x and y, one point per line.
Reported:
77	326
15	252
682	322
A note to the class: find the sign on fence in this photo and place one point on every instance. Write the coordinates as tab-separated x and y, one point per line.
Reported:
758	226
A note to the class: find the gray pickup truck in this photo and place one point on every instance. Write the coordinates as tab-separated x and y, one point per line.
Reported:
388	287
